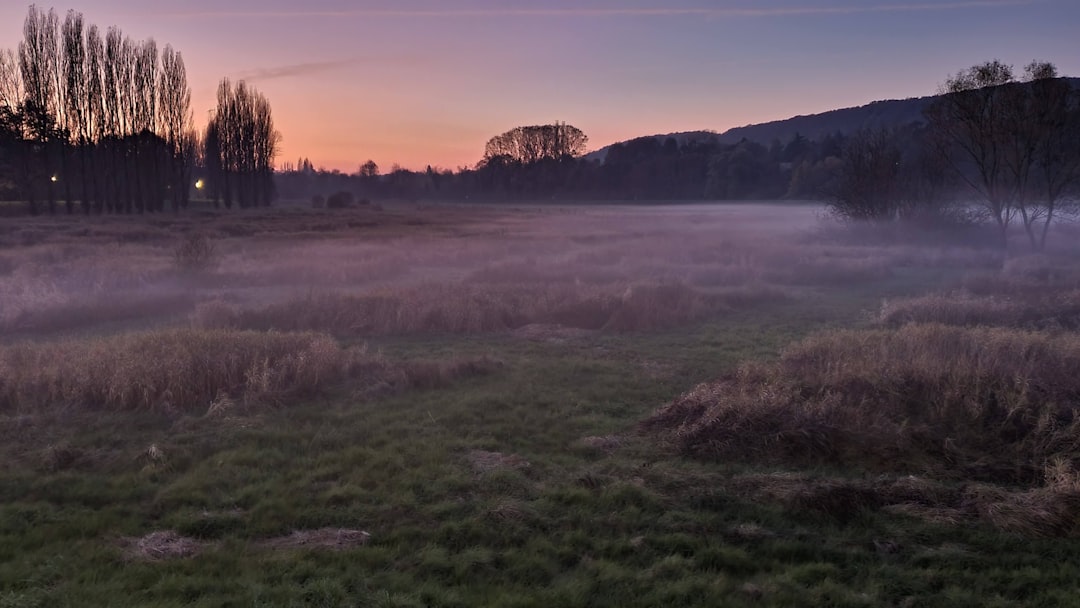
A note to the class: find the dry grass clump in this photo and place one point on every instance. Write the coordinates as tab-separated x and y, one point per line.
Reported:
174	369
985	403
1032	292
961	308
470	308
215	314
644	307
328	539
158	546
208	371
482	461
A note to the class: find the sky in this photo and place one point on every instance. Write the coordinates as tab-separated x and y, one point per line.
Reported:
428	82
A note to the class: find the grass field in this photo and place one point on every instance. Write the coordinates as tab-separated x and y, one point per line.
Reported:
451	406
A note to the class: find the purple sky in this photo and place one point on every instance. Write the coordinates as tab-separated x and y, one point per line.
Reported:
421	82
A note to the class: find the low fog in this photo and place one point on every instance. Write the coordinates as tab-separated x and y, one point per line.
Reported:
412	268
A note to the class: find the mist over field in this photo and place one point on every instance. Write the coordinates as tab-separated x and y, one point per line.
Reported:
442	265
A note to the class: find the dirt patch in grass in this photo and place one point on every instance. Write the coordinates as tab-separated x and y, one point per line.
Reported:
326	539
482	461
1050	511
160	546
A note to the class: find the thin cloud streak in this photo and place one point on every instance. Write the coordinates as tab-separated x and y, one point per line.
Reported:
713	13
289	71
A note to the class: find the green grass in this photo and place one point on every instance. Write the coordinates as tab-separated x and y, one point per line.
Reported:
578	526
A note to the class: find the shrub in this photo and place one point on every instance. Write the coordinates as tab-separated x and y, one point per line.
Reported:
196	253
341	200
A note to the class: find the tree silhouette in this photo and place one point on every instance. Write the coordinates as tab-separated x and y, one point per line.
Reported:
241	145
1011	141
528	145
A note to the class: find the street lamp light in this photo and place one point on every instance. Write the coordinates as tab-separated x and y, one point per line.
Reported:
199	184
54	179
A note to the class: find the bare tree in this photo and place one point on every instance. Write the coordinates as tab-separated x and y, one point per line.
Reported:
94	126
868	187
532	144
175	108
241	145
76	101
1052	123
11	86
1010	141
38	57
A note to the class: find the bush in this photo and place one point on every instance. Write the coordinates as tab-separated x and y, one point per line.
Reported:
196	253
341	200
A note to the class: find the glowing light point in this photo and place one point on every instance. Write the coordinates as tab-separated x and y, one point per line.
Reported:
199	184
54	179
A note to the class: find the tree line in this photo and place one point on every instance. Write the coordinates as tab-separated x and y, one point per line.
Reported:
995	146
103	123
546	162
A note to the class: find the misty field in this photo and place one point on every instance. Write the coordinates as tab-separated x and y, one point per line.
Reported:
451	405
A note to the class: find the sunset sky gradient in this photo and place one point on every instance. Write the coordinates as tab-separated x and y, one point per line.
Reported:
427	82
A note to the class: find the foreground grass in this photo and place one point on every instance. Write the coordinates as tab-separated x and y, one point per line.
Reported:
559	519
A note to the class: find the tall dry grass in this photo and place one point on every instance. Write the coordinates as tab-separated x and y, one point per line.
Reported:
183	370
471	308
984	403
1031	292
1059	310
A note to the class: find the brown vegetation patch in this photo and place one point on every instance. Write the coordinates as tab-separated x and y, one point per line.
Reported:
533	310
605	444
159	546
984	403
540	332
1024	309
482	461
185	370
1047	512
327	539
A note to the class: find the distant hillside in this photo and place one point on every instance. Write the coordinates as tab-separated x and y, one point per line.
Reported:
889	113
896	112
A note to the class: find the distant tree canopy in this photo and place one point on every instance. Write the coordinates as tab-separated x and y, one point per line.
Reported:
527	145
103	122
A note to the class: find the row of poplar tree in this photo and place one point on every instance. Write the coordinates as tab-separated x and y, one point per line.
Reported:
103	123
